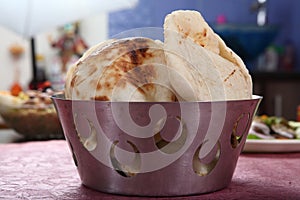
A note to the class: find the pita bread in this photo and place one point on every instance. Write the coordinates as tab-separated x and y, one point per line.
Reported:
208	70
129	69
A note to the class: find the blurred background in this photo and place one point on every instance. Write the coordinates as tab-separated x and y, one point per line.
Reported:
265	33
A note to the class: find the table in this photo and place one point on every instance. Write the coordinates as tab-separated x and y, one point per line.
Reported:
45	170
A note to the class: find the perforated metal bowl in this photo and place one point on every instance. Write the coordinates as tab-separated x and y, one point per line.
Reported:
156	148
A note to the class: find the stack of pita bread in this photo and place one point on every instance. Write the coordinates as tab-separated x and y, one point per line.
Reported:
192	64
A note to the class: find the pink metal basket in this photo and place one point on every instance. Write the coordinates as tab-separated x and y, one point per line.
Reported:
156	148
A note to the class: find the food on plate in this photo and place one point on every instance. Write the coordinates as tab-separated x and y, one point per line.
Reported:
8	101
25	99
271	127
31	114
192	64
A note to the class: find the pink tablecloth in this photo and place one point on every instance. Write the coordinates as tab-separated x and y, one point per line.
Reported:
45	170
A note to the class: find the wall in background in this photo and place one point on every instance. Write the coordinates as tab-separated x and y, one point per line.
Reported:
93	30
7	64
285	14
145	14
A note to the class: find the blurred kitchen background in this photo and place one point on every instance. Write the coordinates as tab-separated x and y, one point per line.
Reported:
265	33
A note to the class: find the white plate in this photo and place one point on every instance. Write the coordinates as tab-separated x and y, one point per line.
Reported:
269	146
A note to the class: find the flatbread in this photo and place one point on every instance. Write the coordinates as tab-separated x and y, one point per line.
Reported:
129	69
206	68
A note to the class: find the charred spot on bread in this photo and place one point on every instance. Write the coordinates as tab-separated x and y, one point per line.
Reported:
231	74
73	81
101	98
141	75
128	67
99	86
